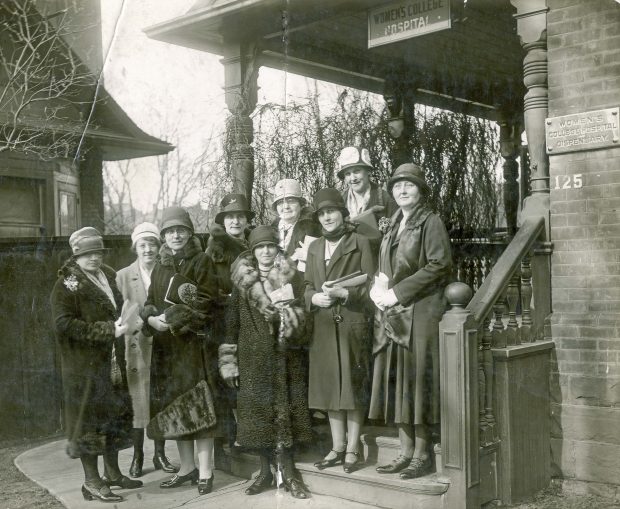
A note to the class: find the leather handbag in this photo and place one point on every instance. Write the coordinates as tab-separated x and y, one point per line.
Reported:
189	413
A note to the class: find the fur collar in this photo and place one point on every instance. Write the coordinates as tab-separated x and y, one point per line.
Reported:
414	220
77	282
245	276
191	249
221	247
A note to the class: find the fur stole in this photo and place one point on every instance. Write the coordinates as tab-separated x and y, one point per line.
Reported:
245	276
191	249
78	283
221	247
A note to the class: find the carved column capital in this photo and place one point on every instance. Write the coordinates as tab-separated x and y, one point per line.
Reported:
531	19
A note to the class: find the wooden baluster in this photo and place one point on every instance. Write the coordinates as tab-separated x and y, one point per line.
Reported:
479	276
487	359
526	299
459	269
499	336
482	385
512	296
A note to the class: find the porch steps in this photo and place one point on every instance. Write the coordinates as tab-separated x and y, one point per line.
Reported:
365	485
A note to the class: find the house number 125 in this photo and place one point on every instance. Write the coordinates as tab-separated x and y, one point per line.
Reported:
568	181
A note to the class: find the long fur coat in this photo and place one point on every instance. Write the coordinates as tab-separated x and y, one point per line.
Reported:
182	356
266	347
98	415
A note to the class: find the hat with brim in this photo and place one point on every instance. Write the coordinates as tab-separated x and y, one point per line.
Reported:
262	235
287	188
86	240
353	157
412	173
144	231
233	203
329	197
176	216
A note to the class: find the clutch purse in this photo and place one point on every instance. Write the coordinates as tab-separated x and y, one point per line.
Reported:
190	412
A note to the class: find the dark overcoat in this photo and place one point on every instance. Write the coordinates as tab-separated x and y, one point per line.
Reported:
340	352
97	413
268	356
418	263
306	225
182	356
380	197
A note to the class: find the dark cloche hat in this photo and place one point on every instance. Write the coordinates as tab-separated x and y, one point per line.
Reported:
86	240
329	197
233	203
411	172
263	234
176	216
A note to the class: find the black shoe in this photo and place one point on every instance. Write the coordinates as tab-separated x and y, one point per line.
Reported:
205	485
325	463
417	468
177	480
160	462
352	467
296	487
260	484
135	470
122	482
104	494
395	466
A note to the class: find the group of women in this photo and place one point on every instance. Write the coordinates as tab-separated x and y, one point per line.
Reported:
267	322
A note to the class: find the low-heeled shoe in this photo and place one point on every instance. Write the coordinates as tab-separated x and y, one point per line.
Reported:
260	484
160	462
104	494
417	468
122	482
178	480
350	467
296	487
395	466
205	485
326	463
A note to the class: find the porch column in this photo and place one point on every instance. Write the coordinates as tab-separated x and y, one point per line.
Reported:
532	29
509	139
91	189
240	86
400	104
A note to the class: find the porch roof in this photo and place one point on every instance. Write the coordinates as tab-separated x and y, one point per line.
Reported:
475	66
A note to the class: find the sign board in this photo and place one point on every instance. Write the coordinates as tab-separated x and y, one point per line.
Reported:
410	18
582	131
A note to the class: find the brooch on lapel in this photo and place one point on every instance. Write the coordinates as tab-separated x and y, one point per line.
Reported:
71	283
384	224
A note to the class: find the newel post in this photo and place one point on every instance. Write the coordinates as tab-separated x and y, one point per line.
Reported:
458	347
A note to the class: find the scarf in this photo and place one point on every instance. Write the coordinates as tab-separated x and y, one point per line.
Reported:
285	232
357	203
100	281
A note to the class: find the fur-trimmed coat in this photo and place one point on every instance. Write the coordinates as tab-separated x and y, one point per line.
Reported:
268	356
98	414
177	359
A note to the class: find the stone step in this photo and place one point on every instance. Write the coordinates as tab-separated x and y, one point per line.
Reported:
380	445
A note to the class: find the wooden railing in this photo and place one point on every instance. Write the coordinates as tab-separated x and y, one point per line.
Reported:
476	335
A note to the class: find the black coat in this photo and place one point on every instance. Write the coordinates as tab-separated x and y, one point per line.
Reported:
181	356
272	405
98	415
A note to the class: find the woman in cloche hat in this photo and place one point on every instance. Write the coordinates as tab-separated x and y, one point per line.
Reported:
342	336
133	282
86	305
415	262
182	361
263	357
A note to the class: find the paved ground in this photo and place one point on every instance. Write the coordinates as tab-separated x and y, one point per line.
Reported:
50	467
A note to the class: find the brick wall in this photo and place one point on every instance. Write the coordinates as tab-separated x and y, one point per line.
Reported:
584	74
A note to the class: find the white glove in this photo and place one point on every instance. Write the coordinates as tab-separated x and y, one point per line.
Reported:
119	329
388	299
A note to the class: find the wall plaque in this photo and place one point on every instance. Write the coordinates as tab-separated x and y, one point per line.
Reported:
402	20
583	131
